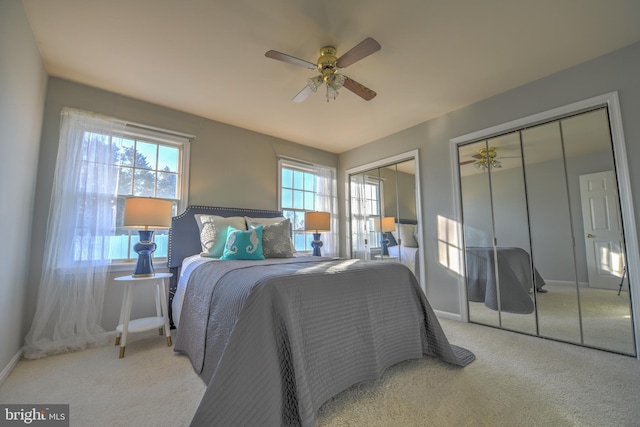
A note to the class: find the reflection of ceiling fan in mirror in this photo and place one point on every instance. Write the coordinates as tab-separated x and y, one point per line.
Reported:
328	65
485	158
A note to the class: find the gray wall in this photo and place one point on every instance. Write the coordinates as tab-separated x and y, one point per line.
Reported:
22	90
230	166
399	194
617	71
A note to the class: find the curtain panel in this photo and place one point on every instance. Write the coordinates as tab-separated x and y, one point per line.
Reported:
76	247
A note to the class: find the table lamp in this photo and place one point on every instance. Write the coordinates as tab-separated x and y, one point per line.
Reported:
384	225
148	214
317	222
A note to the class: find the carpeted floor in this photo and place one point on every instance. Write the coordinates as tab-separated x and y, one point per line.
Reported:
606	317
516	380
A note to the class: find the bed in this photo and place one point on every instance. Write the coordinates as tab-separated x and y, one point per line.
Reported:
275	338
403	244
513	274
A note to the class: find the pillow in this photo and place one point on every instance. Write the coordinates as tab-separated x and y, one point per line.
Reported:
270	221
276	240
264	221
213	232
408	235
243	244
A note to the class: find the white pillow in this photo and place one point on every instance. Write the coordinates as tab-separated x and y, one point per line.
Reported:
213	232
408	235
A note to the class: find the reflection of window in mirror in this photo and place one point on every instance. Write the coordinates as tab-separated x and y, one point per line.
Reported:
384	193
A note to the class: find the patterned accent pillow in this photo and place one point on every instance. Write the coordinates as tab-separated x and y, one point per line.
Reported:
276	238
213	232
243	244
270	221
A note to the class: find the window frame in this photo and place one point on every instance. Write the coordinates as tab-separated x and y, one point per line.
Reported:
296	165
159	138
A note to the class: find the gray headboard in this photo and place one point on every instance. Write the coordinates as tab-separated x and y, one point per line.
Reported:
184	236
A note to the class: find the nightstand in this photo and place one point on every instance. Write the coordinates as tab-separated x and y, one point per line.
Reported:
161	321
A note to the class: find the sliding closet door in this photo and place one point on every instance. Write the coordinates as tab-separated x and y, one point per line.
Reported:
598	231
482	290
512	247
544	239
551	233
497	248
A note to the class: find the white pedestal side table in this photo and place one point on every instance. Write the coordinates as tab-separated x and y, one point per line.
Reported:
161	321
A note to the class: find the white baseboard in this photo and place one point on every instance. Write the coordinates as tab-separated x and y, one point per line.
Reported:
448	315
12	364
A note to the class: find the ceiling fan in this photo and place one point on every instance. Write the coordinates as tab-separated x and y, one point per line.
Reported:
328	65
485	158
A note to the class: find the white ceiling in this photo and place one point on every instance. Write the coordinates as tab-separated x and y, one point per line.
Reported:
206	57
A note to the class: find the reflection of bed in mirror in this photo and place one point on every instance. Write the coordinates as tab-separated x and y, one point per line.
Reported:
403	244
513	274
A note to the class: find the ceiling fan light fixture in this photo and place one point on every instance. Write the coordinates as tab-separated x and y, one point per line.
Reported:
335	82
315	82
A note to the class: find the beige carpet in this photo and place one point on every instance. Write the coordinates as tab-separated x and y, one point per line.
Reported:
606	317
516	380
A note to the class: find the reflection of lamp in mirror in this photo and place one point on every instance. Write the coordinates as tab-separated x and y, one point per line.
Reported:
146	213
384	225
317	222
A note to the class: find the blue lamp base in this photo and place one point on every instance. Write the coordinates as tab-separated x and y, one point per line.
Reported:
316	244
385	244
145	249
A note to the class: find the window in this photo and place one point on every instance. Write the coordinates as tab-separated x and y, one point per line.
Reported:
372	203
144	167
305	188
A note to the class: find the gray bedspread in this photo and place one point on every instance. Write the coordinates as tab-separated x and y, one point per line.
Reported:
274	339
513	274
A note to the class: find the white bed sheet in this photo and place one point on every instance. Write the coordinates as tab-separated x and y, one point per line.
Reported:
406	255
188	265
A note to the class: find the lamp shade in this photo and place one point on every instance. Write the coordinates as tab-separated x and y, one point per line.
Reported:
317	221
384	224
147	212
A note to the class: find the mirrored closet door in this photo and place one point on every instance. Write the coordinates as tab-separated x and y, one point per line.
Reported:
383	214
543	237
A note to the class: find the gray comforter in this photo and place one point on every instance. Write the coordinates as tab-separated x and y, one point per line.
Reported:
275	339
513	274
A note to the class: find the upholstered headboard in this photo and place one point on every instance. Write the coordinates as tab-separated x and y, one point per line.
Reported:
184	236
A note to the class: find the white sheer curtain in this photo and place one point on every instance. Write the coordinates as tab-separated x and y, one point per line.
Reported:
327	201
359	214
76	248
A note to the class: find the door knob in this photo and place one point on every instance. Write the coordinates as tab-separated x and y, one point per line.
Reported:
589	236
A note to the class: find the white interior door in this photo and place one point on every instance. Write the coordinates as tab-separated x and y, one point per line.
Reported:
602	229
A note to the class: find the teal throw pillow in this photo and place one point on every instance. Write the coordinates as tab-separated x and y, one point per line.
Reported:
243	244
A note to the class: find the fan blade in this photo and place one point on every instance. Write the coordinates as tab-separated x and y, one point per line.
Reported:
363	49
467	162
302	95
290	59
477	156
359	89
